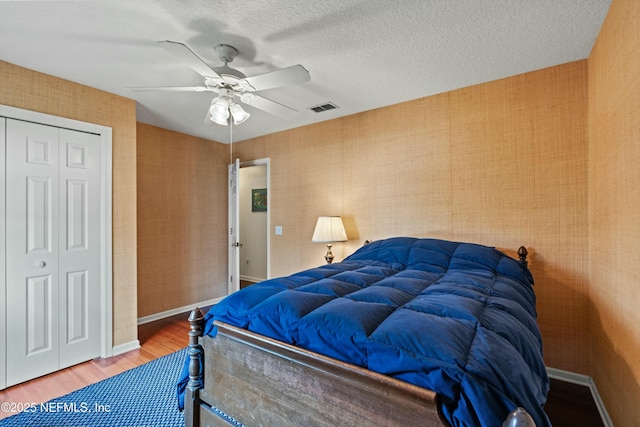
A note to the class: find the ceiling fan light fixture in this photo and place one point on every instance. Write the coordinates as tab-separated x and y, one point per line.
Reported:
219	111
218	120
219	106
238	113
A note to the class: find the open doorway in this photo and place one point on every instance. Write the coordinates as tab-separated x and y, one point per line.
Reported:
249	236
253	223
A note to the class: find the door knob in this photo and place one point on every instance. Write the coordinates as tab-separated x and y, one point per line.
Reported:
42	264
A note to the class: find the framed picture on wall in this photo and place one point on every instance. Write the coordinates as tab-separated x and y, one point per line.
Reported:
259	200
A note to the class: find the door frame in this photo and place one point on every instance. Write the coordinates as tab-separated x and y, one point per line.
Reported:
3	267
232	287
106	201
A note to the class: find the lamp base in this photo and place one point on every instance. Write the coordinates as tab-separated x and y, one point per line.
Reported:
329	256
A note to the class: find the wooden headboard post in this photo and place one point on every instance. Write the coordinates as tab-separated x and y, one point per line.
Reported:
522	253
191	397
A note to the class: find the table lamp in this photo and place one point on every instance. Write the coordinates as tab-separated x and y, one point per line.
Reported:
329	229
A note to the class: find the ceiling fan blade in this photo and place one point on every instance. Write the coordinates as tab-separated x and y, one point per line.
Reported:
173	89
189	57
267	105
272	79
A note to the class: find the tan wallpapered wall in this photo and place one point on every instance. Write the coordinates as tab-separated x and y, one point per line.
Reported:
502	163
182	219
614	213
30	90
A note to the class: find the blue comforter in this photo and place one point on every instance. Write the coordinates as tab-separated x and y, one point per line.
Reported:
456	318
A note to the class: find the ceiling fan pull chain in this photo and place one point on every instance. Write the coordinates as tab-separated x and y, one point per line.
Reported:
230	141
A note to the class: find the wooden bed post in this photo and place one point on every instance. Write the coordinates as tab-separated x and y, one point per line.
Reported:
522	253
196	358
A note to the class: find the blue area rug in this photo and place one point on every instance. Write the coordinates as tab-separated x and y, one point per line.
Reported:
143	397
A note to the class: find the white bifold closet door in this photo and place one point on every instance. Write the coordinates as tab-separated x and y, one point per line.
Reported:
52	249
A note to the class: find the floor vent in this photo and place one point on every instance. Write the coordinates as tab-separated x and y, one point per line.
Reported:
324	107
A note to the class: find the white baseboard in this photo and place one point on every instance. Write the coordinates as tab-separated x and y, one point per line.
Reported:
123	348
586	381
157	316
134	345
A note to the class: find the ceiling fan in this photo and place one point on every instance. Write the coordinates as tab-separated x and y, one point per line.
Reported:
232	85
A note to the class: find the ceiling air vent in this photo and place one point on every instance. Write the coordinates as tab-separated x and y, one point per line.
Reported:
323	107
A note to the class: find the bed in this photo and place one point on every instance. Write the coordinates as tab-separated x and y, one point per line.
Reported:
405	331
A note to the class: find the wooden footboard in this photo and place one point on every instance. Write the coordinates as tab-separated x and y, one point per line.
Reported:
259	381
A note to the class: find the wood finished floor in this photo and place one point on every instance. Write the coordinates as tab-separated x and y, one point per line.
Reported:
568	404
157	339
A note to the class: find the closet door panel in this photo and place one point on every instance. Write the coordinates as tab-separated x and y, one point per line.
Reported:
32	288
79	247
3	324
39	315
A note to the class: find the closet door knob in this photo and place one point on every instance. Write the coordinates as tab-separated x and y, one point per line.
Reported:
42	264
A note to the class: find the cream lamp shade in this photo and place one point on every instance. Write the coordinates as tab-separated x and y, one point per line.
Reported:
329	229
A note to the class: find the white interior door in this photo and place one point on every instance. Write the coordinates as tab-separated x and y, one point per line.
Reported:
32	250
79	247
234	227
3	318
52	249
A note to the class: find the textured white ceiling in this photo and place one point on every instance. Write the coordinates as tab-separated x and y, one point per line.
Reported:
361	54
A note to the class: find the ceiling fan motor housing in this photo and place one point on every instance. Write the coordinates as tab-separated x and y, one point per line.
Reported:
226	53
